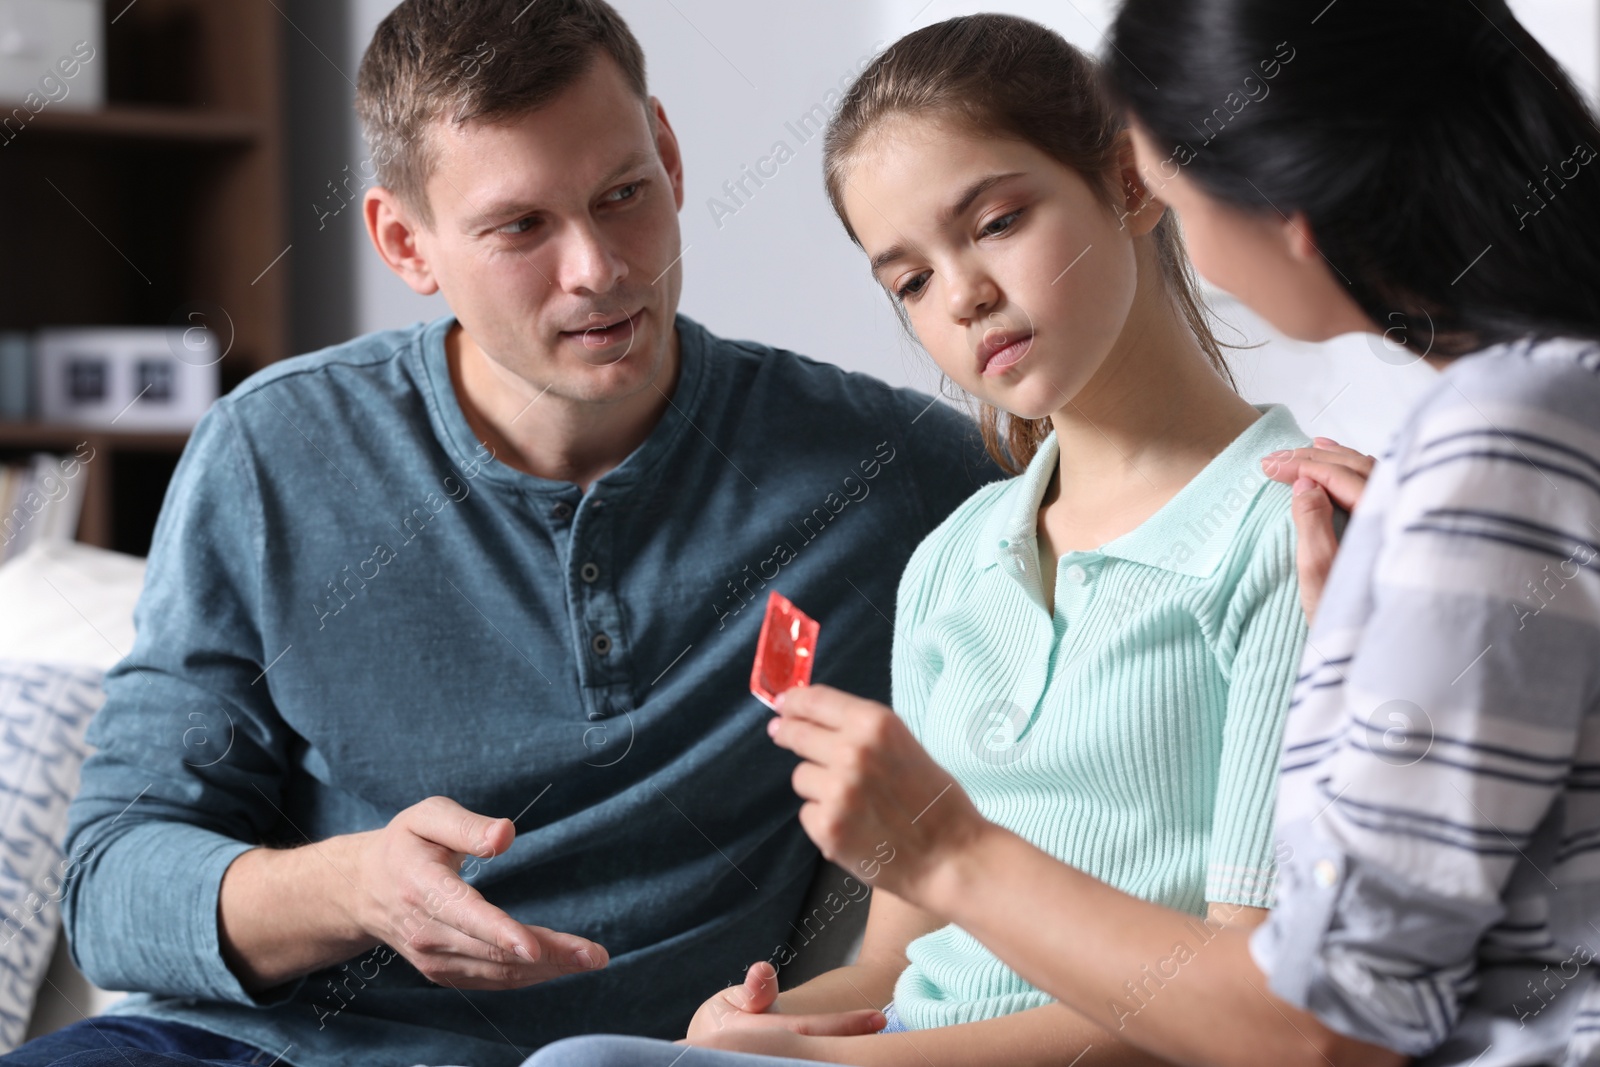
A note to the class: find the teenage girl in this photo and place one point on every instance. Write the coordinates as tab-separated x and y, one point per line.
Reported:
1100	649
1421	168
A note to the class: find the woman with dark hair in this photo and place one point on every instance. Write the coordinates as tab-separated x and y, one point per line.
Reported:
1421	168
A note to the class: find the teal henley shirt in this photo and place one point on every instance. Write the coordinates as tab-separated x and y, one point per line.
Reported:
351	606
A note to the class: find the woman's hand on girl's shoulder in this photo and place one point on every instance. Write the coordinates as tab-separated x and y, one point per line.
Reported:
1324	477
875	802
753	1006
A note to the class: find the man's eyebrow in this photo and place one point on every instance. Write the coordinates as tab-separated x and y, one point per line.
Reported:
949	214
505	209
633	162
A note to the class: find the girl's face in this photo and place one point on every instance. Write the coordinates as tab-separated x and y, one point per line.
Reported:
1270	262
1017	278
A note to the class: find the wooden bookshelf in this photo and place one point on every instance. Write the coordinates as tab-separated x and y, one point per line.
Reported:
168	198
175	125
118	482
44	437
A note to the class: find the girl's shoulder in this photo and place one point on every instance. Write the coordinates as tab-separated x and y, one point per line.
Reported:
945	565
959	539
1218	522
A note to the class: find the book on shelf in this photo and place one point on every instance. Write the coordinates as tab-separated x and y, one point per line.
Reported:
41	499
16	377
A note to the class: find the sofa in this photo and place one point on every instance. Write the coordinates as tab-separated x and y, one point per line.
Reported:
66	614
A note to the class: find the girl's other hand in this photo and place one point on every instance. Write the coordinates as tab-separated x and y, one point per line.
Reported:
785	1044
1326	476
753	1005
875	802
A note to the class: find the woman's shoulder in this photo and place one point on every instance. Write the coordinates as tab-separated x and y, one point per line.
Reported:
1532	386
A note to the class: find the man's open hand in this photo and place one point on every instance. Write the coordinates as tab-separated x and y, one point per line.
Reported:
412	897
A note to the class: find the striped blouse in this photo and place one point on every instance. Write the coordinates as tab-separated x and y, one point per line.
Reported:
1439	802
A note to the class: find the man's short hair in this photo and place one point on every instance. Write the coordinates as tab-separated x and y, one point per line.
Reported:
472	60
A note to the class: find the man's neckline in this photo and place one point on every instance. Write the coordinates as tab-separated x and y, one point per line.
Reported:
461	442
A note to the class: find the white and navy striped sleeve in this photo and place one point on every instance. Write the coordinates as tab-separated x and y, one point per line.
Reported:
1439	801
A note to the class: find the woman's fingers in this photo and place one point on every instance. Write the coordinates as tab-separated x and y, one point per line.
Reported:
1342	484
1315	542
1344	476
1282	466
1359	460
1321	476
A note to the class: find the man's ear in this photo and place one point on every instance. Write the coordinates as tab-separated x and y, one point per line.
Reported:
667	149
1141	212
394	235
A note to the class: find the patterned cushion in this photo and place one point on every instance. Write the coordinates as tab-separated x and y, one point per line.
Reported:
44	711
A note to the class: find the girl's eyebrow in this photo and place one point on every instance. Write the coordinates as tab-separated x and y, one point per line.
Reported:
948	215
973	191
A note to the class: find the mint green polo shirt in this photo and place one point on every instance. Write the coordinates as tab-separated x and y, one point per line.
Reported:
1134	732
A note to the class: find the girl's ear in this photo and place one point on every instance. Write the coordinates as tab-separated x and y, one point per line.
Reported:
1140	210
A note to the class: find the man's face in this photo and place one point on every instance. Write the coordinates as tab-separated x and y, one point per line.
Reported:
555	238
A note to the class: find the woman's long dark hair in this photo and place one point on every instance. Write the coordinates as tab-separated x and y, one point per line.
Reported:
1448	169
1007	77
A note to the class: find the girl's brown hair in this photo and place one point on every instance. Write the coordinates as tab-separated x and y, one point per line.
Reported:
1008	77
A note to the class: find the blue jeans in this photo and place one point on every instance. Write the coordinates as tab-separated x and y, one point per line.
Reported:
133	1041
611	1051
607	1050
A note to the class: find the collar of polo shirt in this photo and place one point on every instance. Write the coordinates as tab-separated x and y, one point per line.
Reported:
1189	534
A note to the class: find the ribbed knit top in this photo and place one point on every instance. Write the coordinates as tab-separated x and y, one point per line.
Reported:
1133	733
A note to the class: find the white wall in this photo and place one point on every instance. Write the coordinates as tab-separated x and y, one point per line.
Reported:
780	269
735	78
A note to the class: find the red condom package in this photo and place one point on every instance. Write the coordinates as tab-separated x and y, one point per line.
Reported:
785	650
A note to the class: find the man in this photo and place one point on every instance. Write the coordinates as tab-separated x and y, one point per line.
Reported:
487	590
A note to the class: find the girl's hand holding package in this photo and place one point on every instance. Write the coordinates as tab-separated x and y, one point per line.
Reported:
875	802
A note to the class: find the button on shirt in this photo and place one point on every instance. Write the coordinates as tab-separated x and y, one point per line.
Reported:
359	607
1133	731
